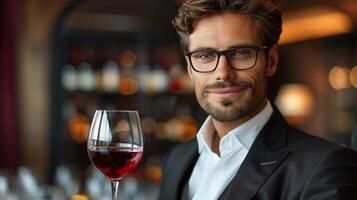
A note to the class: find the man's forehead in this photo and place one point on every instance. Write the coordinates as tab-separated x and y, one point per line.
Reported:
221	30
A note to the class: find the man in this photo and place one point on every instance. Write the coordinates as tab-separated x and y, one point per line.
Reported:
245	149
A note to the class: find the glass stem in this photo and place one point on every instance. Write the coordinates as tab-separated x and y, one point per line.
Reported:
115	185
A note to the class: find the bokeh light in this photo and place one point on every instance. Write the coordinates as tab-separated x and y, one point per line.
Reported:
78	126
85	79
295	100
79	197
69	77
111	76
127	58
128	86
339	77
353	76
181	128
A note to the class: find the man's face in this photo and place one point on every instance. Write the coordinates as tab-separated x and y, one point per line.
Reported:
228	94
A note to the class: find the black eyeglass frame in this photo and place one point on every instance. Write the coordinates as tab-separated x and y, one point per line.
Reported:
226	53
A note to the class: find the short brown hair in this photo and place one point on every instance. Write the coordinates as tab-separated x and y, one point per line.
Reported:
265	14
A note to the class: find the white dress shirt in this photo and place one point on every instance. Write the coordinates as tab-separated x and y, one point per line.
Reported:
212	173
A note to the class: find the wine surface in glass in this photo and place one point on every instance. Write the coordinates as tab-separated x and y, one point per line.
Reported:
115	162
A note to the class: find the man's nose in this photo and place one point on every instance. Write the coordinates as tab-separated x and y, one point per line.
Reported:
224	71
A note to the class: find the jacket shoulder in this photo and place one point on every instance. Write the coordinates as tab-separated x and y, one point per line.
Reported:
177	168
181	149
311	145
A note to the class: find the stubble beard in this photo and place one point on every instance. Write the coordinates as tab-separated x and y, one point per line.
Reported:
228	110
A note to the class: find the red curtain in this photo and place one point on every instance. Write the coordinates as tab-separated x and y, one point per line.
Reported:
9	145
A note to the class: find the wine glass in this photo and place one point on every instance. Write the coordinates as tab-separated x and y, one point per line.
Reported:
115	144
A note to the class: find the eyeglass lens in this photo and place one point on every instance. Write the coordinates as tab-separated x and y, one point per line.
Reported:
239	58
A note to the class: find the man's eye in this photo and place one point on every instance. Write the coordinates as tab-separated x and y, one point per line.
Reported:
243	52
206	56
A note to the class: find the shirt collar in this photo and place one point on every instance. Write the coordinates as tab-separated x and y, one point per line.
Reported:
244	134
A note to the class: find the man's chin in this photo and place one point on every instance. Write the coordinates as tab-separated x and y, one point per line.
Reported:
225	111
226	116
227	103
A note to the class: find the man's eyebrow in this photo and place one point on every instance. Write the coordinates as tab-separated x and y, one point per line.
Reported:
235	46
203	49
243	45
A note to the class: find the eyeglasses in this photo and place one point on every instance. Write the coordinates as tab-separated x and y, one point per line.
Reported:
239	58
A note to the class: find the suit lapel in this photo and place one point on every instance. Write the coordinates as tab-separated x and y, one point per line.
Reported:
266	154
184	167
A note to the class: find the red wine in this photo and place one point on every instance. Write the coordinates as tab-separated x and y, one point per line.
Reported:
115	163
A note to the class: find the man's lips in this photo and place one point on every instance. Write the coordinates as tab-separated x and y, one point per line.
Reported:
226	91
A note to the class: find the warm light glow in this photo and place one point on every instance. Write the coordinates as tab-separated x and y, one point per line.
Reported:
294	100
153	173
127	58
353	76
339	77
313	23
128	86
153	82
79	197
78	126
181	128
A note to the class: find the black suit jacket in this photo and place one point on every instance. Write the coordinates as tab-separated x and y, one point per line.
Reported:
282	164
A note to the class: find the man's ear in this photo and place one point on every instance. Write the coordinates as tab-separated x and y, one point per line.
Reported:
188	66
273	59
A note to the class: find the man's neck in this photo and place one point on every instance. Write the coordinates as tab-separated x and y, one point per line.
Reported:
224	127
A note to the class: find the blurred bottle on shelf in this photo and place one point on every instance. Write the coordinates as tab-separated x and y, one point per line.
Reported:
28	185
69	77
4	187
110	77
86	80
66	182
97	186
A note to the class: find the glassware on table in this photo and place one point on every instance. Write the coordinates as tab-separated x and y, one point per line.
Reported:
115	144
